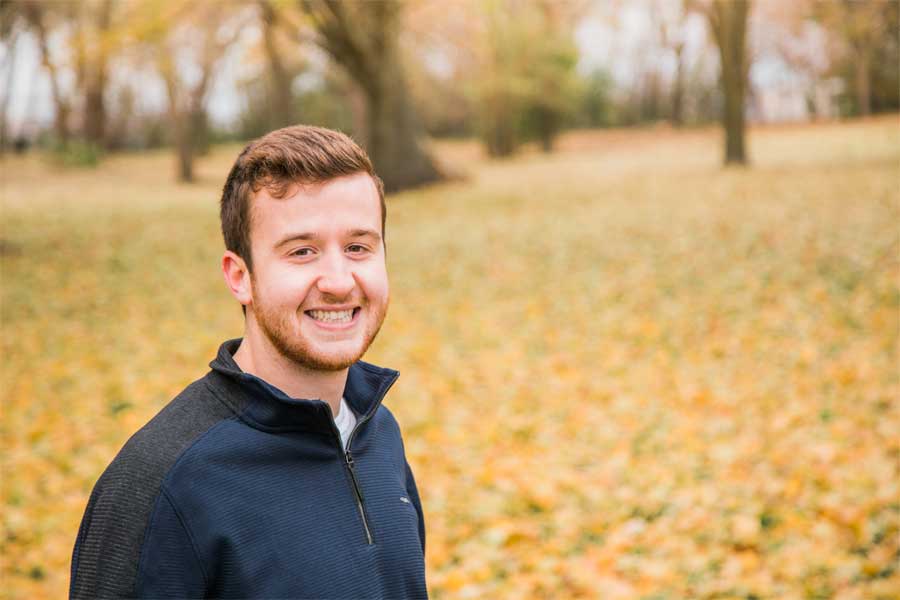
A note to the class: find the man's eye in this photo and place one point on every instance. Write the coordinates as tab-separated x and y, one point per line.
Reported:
356	248
302	252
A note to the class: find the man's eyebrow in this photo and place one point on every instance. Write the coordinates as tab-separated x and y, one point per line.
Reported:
312	235
296	237
364	233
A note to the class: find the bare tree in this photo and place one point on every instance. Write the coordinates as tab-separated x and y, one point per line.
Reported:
362	37
36	14
282	98
92	49
193	39
672	37
89	36
859	24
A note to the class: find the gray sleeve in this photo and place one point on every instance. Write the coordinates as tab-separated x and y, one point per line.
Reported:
110	540
106	554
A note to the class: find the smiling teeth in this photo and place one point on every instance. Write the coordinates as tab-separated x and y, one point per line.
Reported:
332	316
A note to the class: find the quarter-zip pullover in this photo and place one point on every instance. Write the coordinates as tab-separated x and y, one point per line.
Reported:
235	490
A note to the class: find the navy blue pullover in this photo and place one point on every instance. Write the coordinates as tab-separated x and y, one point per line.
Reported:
235	490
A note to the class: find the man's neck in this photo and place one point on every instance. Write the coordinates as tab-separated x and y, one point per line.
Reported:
257	356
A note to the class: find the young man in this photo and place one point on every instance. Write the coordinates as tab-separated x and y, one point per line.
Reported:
279	474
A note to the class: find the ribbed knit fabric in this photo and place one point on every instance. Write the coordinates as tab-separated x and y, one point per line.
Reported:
235	490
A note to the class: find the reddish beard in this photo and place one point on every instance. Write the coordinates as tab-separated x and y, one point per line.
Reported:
284	332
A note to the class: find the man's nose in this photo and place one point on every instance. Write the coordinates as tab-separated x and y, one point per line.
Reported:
336	278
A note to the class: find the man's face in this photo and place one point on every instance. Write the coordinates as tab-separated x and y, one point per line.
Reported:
319	283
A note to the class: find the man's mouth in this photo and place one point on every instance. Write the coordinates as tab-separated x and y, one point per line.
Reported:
333	316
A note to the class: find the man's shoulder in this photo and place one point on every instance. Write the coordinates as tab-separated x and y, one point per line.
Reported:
384	417
123	498
151	450
389	435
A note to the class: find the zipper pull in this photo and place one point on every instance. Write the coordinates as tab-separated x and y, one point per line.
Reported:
356	487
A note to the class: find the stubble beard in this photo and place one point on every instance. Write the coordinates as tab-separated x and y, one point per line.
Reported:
292	345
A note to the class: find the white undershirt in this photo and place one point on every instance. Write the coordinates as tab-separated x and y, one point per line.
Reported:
345	421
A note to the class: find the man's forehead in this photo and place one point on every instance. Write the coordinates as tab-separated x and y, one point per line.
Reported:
350	198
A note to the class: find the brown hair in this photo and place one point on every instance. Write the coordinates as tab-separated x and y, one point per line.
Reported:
280	159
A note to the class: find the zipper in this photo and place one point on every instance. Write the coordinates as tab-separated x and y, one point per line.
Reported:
348	458
348	462
359	496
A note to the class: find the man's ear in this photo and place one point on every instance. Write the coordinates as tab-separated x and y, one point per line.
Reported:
237	277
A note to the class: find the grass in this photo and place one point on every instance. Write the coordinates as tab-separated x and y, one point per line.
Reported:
626	371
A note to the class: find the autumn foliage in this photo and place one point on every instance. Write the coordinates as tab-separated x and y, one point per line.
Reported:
626	372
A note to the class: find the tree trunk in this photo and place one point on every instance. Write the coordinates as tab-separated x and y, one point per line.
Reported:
187	101
678	87
393	129
863	84
547	126
359	110
184	146
35	15
94	111
95	80
728	20
500	134
279	78
181	119
191	137
362	37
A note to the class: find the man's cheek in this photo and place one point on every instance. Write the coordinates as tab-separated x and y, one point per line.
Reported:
381	292
373	279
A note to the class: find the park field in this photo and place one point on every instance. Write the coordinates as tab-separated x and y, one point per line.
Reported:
626	372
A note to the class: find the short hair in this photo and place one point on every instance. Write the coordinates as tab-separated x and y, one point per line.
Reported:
298	154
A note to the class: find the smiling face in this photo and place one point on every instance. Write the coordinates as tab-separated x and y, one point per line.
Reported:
318	285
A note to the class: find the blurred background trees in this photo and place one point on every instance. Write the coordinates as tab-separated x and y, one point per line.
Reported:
363	38
525	85
865	48
103	75
185	44
78	67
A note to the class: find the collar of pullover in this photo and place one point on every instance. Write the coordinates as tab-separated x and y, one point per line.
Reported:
269	408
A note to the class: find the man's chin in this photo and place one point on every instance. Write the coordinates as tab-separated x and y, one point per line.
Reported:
321	361
313	351
328	364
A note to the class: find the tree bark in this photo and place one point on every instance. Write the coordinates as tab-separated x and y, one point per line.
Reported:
280	80
181	124
728	21
547	126
861	65
678	87
393	129
500	131
95	77
184	148
187	104
362	38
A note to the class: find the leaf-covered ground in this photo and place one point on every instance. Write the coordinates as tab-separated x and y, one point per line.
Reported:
626	372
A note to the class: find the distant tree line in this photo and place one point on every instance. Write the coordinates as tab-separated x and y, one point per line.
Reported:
393	74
